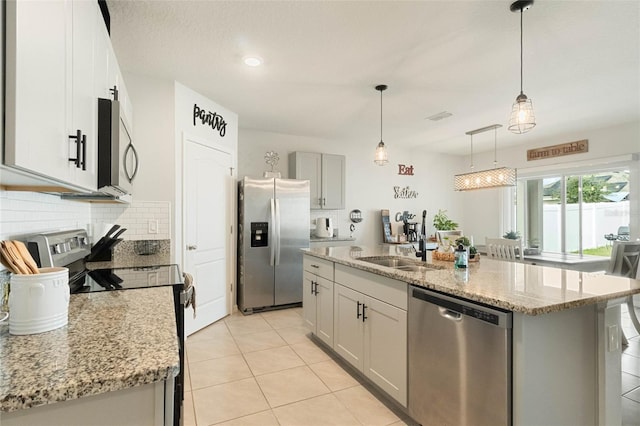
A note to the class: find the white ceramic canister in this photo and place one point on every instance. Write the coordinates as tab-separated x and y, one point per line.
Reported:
39	302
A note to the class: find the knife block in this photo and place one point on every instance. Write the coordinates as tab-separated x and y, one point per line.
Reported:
103	256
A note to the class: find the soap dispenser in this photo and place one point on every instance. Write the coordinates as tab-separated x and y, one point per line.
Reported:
461	257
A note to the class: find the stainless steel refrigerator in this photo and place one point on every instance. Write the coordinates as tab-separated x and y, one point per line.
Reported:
273	225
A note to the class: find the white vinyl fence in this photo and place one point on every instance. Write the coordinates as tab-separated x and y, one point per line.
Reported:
598	219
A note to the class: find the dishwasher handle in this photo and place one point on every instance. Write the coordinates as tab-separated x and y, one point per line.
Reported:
449	314
455	308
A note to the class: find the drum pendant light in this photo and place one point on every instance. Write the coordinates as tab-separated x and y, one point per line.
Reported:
381	157
522	117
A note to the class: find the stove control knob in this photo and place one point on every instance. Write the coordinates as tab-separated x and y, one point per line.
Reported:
66	247
59	248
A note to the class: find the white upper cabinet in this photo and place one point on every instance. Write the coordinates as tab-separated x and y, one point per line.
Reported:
59	62
326	173
37	88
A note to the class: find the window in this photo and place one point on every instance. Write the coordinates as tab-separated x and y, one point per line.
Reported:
574	213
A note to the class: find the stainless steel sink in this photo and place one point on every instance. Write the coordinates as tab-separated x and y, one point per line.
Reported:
399	263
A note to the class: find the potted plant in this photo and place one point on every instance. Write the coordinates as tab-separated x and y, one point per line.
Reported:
442	222
512	235
466	242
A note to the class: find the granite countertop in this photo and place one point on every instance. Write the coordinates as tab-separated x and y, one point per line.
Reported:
114	340
514	286
314	239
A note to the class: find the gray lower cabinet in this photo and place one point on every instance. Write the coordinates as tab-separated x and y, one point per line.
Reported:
317	298
362	317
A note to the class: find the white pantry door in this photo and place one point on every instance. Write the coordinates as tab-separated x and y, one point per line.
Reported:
207	217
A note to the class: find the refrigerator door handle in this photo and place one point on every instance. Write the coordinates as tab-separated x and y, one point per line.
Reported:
277	231
272	231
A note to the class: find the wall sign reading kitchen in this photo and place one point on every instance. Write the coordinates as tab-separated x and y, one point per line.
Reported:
208	118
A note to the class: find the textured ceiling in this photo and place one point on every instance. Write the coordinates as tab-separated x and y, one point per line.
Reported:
322	60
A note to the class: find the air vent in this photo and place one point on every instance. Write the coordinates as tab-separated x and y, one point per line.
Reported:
439	116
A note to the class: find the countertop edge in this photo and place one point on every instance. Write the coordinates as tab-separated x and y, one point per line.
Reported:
406	277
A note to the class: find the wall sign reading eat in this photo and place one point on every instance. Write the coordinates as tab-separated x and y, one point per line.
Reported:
208	118
405	170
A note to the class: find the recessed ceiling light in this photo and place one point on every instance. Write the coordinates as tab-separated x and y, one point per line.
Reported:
252	61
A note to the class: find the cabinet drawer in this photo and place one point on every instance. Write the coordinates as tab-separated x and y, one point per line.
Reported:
320	267
382	288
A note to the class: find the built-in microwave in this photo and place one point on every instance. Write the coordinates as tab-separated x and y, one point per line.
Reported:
117	157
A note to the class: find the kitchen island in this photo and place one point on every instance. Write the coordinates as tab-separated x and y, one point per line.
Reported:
111	364
565	352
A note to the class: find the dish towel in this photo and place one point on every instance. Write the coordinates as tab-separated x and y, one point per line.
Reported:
188	283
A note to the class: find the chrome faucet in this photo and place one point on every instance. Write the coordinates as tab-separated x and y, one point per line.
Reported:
422	252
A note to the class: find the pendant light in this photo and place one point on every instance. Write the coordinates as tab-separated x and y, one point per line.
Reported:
492	178
522	117
381	157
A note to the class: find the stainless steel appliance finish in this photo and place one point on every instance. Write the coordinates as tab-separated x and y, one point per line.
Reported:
273	225
459	361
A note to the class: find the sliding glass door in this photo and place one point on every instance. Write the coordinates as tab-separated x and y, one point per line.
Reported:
575	213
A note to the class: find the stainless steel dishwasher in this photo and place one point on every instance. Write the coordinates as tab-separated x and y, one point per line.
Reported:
459	361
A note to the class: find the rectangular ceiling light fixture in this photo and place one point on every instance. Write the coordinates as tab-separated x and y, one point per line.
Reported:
493	178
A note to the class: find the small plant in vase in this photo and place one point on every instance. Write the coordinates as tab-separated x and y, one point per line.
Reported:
442	222
512	235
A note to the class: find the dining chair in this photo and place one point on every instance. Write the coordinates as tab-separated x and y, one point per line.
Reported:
625	257
503	248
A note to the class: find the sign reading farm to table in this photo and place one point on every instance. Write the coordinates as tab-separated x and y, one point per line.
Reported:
211	119
570	148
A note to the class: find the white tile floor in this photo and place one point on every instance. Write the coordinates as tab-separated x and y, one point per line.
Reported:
263	370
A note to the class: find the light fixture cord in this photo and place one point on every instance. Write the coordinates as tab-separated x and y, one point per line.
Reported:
471	152
495	147
521	13
380	115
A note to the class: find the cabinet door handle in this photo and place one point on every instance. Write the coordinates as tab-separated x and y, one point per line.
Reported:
358	310
315	266
312	283
78	138
316	290
84	152
324	201
364	317
114	92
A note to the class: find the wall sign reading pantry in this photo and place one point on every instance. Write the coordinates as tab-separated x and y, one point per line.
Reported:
208	118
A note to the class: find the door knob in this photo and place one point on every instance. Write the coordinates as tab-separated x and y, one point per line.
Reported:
192	247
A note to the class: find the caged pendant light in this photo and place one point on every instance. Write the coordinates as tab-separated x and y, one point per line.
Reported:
381	157
493	178
522	117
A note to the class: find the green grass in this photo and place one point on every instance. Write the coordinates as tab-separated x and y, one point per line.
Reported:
604	251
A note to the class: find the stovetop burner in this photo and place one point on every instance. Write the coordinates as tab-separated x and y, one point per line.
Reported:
125	278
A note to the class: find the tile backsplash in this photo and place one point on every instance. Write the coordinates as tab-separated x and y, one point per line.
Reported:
23	213
144	220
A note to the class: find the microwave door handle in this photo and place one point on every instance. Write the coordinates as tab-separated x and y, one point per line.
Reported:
131	148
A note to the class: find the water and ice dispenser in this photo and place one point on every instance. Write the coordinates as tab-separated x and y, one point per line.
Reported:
259	234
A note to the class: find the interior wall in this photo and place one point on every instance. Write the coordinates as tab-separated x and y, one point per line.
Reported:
482	207
369	187
153	130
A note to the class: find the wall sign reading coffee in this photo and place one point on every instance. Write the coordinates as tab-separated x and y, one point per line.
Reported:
404	192
405	170
208	118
